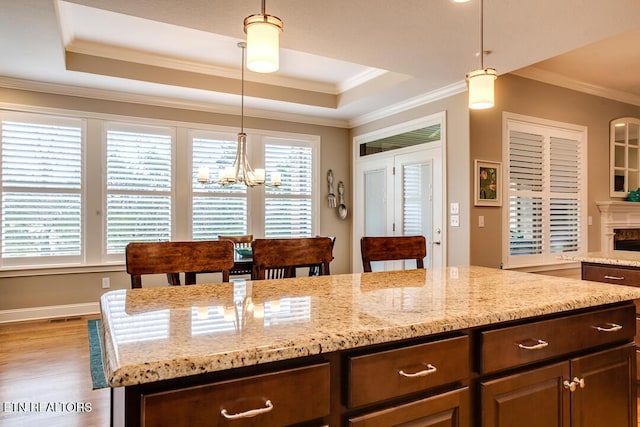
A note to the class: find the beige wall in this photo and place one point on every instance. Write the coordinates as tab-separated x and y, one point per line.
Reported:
80	288
527	97
457	154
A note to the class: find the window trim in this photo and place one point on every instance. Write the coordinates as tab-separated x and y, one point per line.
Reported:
93	193
54	120
581	133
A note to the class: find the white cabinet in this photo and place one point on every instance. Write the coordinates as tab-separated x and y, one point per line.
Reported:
624	156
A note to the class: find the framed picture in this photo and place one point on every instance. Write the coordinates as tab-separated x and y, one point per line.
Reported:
488	183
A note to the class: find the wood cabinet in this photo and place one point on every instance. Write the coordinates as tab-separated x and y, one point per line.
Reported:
569	369
617	275
275	399
593	390
450	409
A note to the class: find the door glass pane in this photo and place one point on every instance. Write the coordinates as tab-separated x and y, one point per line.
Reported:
374	203
416	183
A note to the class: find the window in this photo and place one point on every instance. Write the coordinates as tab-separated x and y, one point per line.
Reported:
41	189
546	179
76	191
139	183
217	209
272	212
288	208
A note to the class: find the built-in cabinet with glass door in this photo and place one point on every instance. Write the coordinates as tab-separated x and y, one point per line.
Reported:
624	156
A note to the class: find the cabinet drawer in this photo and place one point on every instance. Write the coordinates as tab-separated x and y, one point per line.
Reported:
531	342
611	274
387	374
451	409
274	399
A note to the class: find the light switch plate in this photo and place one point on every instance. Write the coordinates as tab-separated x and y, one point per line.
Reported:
481	221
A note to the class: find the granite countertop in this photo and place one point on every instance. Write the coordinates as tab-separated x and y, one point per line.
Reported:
161	333
625	258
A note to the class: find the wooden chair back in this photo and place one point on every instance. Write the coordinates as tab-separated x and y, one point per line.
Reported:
279	258
173	258
393	248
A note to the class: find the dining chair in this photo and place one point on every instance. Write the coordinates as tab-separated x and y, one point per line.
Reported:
393	248
279	258
314	270
173	258
243	244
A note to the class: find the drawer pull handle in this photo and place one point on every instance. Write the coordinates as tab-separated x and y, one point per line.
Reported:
614	277
250	413
614	327
540	344
430	370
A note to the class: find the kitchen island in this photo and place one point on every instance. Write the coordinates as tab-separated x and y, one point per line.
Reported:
371	349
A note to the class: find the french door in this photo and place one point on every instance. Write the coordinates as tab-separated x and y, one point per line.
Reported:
400	193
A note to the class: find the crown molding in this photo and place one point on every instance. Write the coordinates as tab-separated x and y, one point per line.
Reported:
556	79
436	95
109	95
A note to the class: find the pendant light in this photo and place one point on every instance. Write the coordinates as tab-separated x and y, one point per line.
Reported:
481	81
241	170
263	41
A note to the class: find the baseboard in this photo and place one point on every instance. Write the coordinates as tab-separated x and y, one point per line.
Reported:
49	312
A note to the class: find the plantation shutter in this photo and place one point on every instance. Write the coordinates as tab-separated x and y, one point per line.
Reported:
564	218
412	190
217	210
546	176
288	208
525	193
139	182
41	189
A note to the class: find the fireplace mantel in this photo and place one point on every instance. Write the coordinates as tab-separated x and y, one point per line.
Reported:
616	214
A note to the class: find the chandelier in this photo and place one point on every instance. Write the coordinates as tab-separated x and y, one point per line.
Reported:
481	81
241	170
263	41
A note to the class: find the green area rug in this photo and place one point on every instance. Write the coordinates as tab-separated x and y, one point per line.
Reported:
95	354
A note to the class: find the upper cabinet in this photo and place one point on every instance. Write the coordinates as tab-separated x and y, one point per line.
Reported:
624	156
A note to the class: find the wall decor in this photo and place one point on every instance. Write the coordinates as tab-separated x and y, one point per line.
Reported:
487	183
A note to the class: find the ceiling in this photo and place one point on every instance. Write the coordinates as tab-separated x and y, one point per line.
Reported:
343	62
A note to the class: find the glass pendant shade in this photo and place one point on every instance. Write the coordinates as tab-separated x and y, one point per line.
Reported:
263	43
481	88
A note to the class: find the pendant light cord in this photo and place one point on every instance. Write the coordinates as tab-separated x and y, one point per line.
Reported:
242	92
481	35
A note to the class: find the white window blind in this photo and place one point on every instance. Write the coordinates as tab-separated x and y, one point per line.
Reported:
288	208
217	209
41	189
413	199
139	183
285	211
546	194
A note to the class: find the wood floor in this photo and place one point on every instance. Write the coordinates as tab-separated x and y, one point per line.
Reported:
47	362
45	365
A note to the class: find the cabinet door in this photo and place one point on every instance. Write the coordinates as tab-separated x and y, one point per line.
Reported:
608	395
534	398
443	410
